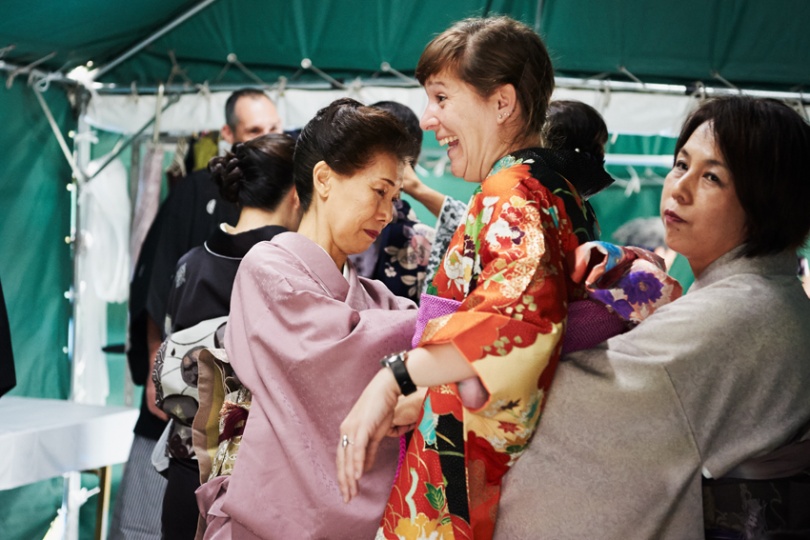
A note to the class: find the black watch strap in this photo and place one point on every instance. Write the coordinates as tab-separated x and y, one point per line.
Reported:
396	363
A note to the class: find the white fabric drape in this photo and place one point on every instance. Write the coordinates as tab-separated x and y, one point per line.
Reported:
103	270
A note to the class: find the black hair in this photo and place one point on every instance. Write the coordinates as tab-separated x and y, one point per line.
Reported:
346	135
409	120
257	173
765	145
575	126
575	134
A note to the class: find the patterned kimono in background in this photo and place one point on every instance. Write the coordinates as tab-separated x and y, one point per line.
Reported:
201	294
399	256
507	265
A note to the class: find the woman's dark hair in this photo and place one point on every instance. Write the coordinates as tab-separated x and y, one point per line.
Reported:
575	126
346	135
257	173
410	122
489	52
765	145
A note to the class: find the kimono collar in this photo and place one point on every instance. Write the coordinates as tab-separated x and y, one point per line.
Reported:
236	246
317	263
527	155
732	263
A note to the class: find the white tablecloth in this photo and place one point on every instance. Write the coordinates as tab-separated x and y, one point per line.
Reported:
44	438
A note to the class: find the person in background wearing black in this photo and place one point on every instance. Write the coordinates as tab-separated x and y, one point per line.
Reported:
191	212
258	176
7	376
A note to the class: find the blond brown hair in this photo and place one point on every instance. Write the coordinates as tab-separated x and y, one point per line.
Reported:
492	51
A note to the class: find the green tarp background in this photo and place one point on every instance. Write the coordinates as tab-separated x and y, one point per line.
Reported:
35	263
36	270
748	42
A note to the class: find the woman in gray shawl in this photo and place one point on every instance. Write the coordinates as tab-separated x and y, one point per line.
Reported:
706	383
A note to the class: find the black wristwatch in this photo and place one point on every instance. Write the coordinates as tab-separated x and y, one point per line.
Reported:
396	362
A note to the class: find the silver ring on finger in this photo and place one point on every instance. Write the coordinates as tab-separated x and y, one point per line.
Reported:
344	441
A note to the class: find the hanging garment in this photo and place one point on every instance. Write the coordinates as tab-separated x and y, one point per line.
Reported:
147	200
105	223
103	264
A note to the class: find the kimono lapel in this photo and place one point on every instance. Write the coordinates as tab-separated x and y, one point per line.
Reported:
357	296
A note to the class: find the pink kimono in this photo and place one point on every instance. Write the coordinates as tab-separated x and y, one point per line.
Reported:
305	340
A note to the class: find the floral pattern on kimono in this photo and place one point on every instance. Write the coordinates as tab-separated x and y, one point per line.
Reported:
403	261
631	282
507	264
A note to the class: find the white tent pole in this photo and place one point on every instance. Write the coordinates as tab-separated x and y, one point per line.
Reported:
674	89
538	16
570	83
146	42
32	71
77	172
81	146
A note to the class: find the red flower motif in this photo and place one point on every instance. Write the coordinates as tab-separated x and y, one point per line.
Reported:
507	427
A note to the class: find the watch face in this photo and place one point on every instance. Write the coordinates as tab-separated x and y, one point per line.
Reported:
387	360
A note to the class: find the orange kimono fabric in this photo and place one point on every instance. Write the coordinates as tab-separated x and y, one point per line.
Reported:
507	264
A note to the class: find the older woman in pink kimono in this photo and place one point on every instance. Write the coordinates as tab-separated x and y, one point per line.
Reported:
305	335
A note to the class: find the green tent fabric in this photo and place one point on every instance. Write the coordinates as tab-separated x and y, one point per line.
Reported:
80	31
746	42
35	265
35	268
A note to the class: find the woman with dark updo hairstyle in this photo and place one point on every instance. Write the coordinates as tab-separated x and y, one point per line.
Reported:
575	135
305	335
256	175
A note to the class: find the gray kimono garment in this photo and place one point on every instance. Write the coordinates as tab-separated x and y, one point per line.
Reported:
716	377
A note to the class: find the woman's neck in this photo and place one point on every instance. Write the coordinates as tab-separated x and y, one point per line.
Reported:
254	218
518	143
525	141
318	231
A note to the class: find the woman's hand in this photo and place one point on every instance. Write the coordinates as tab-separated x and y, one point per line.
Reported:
472	392
365	426
407	413
429	197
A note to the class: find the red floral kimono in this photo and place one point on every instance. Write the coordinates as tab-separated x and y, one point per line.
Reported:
507	265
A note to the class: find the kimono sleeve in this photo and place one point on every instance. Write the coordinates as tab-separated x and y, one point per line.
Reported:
287	330
738	368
